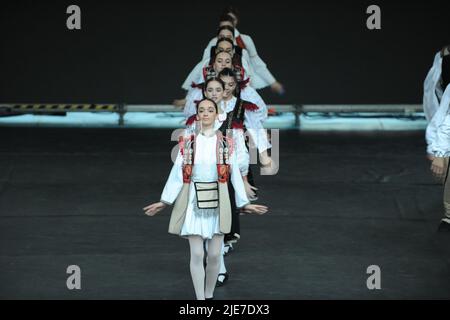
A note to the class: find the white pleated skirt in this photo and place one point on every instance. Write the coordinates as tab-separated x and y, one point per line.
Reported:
200	222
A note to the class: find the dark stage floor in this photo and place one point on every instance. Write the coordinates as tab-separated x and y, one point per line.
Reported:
339	204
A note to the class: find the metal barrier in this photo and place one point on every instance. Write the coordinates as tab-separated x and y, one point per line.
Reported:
56	107
121	108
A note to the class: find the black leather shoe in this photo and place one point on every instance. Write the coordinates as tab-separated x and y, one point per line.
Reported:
225	279
228	249
212	298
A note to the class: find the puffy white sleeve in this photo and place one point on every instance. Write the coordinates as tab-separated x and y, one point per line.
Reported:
250	94
174	182
256	132
248	70
190	107
242	156
238	183
441	147
259	66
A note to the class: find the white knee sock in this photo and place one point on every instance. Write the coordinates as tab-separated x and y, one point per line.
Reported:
196	266
223	269
212	268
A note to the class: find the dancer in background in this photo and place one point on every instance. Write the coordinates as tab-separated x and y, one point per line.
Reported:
440	150
437	111
261	76
256	69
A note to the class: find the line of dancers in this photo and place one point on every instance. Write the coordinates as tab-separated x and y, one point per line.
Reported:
211	182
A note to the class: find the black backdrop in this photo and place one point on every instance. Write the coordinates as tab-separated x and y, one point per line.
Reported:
141	51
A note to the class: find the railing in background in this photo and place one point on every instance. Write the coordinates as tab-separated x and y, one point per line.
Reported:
121	109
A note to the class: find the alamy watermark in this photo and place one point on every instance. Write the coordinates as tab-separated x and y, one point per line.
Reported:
74	280
373	22
74	20
374	280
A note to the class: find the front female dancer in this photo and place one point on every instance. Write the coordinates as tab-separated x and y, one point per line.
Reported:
198	185
214	89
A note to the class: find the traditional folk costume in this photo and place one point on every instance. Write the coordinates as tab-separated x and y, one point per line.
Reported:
243	161
440	146
198	184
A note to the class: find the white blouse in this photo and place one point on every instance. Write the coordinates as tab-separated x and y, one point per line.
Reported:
440	145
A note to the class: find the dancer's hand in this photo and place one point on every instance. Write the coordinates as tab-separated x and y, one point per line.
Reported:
255	208
277	87
268	166
154	208
437	166
249	190
180	103
264	158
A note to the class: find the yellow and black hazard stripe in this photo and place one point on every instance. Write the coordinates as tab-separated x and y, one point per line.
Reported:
41	107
